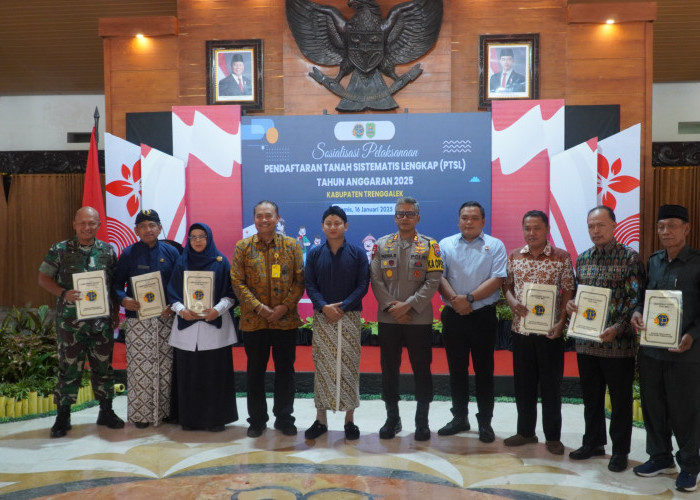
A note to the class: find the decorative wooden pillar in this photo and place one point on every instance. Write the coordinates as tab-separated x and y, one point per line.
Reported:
140	67
613	64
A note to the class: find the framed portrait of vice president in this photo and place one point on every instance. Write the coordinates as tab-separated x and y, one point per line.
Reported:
508	67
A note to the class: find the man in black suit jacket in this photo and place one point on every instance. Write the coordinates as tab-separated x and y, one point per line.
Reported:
513	82
235	83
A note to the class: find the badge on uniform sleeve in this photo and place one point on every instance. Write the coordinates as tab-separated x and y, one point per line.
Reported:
434	259
276	271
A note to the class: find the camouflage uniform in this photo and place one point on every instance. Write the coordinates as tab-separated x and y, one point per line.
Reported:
77	340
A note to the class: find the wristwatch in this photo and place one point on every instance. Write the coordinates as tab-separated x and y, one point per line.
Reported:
470	298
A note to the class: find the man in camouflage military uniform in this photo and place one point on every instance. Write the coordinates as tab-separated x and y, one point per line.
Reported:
92	339
405	273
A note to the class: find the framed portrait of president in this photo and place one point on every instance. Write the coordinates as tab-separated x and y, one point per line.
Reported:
235	73
508	67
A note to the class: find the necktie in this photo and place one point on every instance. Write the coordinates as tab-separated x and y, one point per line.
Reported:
503	80
240	84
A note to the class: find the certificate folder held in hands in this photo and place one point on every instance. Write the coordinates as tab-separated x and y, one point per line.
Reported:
663	311
540	301
198	290
589	321
148	291
94	300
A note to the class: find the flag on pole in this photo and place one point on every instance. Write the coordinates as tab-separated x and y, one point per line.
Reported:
92	190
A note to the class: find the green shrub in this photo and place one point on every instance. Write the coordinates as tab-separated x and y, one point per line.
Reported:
28	347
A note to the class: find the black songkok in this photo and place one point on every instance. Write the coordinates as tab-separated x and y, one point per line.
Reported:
672	212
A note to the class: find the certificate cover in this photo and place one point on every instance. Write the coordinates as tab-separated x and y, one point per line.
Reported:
94	300
198	290
540	301
663	312
148	291
592	315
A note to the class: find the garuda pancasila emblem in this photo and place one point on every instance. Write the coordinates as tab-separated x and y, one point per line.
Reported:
366	46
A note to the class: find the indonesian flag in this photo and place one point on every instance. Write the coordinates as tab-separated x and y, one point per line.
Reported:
92	190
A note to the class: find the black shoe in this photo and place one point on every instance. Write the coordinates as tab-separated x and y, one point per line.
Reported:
140	425
422	433
617	463
352	432
110	419
216	428
317	429
255	431
486	434
390	428
585	452
455	426
62	424
287	428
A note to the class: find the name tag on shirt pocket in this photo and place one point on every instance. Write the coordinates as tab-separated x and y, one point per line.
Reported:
275	271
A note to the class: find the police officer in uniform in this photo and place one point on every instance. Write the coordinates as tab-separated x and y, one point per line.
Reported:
405	273
77	340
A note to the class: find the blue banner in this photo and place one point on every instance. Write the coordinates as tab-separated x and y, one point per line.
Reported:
363	163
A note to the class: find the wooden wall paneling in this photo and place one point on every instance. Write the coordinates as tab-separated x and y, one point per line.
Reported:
621	12
473	18
606	41
678	186
128	87
225	20
612	64
605	76
553	64
40	213
647	201
109	114
131	26
145	54
430	92
142	76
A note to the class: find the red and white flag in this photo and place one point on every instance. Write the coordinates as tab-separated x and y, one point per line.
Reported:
92	189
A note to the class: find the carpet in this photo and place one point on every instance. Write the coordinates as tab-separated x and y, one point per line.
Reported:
369	361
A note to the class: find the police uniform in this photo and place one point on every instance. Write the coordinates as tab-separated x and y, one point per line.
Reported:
93	338
406	270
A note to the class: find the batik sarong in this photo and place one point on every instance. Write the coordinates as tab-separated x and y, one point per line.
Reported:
149	361
336	353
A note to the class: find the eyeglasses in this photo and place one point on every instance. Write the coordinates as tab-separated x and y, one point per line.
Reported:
197	237
408	215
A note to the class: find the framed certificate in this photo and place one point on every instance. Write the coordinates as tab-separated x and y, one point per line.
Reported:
198	290
592	315
663	312
148	291
540	301
94	300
